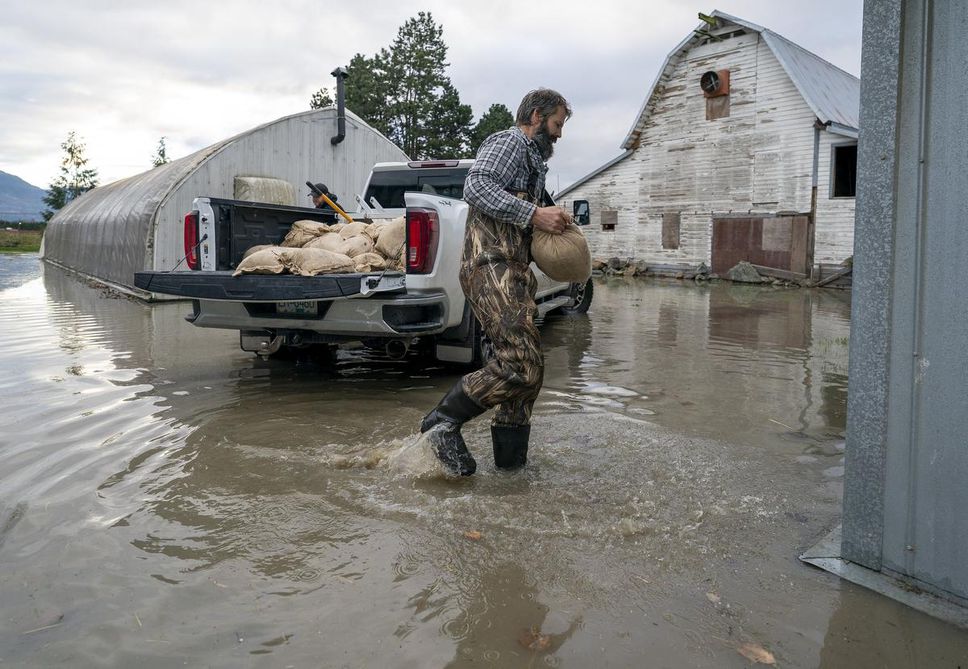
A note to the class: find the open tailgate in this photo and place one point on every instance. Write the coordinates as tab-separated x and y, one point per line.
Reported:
268	287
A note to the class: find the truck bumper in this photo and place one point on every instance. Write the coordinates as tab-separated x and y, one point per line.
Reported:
402	315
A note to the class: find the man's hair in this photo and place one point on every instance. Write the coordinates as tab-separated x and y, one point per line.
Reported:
545	101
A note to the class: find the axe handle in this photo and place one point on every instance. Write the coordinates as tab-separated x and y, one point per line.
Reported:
336	207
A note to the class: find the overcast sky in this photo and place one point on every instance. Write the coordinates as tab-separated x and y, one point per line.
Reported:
124	74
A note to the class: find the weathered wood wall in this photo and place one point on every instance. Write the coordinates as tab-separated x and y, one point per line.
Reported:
759	159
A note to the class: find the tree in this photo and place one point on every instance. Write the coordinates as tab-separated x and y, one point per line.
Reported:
495	119
368	90
448	129
404	93
161	154
321	99
74	180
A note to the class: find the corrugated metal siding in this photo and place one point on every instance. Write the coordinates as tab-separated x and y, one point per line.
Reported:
136	223
907	466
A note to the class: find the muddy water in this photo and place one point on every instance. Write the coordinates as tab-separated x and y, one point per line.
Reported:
168	500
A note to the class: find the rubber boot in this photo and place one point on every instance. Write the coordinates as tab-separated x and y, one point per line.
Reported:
510	445
444	424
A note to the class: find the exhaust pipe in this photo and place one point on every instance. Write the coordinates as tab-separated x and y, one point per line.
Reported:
397	349
340	73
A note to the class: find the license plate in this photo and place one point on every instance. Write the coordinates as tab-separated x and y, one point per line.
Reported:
304	308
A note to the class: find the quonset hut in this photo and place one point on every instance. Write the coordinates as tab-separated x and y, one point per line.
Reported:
137	224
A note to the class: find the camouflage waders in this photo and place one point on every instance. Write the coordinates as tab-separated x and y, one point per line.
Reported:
500	287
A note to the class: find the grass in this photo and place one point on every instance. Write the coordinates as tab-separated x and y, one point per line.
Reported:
20	241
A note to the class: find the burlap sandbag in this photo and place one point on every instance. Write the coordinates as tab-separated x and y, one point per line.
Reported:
563	257
392	238
328	242
297	237
256	249
272	260
370	262
314	227
373	230
310	262
353	229
355	246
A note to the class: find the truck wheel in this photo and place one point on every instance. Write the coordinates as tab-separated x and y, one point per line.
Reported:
582	294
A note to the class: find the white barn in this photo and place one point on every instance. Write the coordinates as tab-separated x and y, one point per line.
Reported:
137	224
759	164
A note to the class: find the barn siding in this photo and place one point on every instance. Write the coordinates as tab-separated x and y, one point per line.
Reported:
758	159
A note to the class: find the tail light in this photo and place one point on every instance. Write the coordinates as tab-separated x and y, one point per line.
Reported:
422	234
191	240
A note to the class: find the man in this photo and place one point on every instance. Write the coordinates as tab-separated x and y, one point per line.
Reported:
504	189
316	192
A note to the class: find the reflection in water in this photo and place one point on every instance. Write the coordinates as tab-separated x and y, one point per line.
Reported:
166	498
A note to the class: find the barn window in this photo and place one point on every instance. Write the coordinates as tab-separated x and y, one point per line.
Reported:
609	219
670	230
843	171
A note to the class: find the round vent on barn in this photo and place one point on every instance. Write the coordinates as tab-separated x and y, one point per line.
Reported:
714	83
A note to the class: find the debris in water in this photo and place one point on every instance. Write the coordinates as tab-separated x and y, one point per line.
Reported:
713	597
473	535
533	639
756	653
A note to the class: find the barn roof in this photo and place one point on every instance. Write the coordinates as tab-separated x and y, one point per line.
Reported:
832	93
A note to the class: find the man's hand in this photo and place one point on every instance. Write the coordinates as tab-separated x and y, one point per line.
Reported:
550	219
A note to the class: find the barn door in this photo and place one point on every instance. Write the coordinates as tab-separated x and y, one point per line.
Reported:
781	242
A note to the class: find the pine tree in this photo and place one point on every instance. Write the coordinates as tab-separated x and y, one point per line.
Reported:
497	118
321	99
404	93
367	90
448	128
74	180
161	154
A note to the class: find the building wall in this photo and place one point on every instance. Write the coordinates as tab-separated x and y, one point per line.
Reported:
759	159
295	149
835	216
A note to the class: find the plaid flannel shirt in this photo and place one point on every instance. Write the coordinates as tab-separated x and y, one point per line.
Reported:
504	166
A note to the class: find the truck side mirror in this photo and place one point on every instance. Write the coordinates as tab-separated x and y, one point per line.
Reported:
581	212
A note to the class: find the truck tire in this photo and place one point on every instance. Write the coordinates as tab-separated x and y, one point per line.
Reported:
582	293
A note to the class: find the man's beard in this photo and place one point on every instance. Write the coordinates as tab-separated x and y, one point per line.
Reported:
546	145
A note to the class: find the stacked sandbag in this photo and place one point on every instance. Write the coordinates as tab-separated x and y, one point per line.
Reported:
563	257
303	232
267	260
310	262
312	248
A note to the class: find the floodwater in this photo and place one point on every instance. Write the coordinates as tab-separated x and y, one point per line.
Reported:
169	500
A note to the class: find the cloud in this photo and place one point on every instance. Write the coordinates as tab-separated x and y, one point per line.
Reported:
124	74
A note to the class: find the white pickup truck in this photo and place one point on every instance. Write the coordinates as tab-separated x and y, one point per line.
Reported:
389	310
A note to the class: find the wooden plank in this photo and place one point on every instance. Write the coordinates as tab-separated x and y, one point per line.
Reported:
836	275
777	273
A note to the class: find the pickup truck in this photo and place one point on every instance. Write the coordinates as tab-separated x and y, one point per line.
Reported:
387	310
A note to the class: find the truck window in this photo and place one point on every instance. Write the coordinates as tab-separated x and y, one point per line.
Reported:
389	186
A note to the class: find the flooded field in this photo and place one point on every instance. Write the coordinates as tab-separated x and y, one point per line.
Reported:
169	500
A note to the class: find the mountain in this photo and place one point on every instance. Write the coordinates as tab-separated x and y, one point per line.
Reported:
19	201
